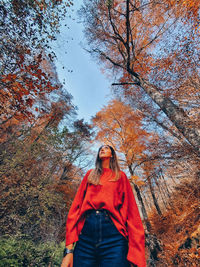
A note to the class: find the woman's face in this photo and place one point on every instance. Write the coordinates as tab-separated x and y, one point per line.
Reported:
105	152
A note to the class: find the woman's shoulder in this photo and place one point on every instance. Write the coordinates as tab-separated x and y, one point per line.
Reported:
123	176
88	172
123	173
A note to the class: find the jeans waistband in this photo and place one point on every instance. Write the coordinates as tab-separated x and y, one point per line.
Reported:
96	212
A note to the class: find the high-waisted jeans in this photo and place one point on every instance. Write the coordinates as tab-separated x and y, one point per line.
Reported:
100	244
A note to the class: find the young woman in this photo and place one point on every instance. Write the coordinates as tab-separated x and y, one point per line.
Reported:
104	220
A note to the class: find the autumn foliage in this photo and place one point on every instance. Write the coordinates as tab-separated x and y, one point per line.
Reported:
22	90
118	124
42	143
152	47
178	227
150	51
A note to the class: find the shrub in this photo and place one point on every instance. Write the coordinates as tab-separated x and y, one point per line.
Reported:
21	252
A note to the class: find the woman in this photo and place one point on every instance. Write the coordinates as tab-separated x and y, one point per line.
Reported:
104	220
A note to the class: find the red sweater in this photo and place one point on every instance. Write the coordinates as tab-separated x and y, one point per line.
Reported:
116	197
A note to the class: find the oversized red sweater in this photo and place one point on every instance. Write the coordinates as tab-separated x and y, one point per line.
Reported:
116	197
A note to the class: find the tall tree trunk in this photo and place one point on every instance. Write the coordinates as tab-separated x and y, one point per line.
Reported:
147	203
163	178
176	114
139	197
153	196
161	192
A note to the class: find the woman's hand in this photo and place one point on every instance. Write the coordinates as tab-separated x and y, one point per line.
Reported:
67	260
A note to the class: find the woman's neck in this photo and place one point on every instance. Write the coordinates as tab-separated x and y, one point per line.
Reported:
106	163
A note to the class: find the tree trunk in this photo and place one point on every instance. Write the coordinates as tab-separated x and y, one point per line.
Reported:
163	178
153	196
176	114
139	197
147	203
161	192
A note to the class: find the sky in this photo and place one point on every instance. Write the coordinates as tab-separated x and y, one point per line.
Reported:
82	75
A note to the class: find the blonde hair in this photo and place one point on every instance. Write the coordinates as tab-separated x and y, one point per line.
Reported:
94	176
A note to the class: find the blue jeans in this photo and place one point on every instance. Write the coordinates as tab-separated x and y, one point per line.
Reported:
100	244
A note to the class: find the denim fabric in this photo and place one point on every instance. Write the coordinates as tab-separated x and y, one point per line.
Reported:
100	244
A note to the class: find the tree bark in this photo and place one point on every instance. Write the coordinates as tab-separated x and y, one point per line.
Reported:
139	197
163	178
154	197
176	114
161	192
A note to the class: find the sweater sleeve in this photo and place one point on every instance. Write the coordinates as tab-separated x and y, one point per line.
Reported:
72	217
136	252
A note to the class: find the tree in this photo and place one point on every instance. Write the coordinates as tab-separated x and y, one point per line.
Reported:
27	27
125	35
148	166
19	92
36	170
27	31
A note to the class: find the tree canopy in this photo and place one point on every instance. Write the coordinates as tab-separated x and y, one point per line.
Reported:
129	37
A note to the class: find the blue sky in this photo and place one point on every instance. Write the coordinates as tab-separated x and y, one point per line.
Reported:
87	84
